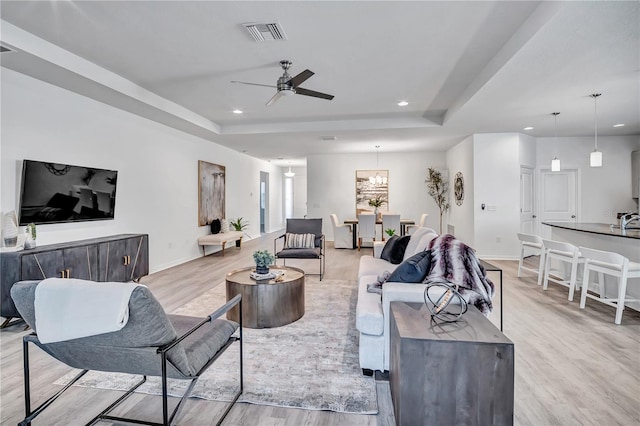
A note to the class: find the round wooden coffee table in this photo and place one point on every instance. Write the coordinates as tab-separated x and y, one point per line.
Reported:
267	303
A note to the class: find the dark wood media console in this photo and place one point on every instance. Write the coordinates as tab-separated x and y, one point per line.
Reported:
118	258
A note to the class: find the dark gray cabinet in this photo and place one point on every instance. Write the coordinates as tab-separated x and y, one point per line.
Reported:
118	258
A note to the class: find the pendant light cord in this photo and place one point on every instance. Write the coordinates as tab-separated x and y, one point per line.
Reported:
595	117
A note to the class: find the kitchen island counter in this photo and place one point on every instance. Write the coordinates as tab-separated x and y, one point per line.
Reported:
598	228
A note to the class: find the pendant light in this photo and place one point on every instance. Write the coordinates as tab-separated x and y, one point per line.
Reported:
555	163
596	156
289	174
377	179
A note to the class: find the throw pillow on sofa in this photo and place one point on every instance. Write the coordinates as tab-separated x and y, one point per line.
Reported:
393	250
413	270
215	226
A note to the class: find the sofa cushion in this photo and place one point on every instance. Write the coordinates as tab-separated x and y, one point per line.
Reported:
412	247
215	226
369	316
414	269
370	265
394	249
423	244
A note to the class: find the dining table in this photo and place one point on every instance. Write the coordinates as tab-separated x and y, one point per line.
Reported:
354	225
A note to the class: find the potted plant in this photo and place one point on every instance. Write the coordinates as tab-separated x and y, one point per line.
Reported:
239	225
390	232
263	259
438	189
377	202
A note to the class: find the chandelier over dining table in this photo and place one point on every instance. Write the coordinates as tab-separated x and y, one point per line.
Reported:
377	179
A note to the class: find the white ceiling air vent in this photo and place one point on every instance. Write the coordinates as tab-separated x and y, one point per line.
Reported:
264	32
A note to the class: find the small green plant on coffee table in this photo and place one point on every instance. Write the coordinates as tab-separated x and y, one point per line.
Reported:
390	232
263	258
239	224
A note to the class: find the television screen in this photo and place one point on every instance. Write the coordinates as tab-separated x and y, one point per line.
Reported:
54	193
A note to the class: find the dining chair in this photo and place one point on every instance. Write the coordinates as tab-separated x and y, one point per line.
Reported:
390	221
410	229
612	264
342	234
567	254
366	227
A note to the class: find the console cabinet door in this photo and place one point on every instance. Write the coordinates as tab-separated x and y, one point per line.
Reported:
139	264
48	264
112	261
81	262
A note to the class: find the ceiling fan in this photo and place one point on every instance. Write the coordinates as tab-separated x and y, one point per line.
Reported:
288	85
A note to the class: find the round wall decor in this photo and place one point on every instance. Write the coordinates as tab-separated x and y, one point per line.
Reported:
458	188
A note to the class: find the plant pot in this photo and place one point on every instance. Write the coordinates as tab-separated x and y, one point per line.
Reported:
262	269
238	242
29	243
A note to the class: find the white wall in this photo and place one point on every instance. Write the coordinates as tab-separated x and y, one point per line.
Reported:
604	190
157	168
460	159
299	191
497	185
331	184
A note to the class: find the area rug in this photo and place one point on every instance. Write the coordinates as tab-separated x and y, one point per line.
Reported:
310	364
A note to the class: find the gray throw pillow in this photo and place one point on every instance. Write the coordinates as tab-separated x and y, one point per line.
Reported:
412	270
393	250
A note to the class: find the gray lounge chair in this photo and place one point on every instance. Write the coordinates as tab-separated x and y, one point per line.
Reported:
152	343
303	226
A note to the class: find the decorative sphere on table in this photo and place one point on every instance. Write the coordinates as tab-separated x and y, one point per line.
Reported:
441	308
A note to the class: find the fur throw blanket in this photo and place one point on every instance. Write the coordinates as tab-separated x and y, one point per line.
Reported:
457	263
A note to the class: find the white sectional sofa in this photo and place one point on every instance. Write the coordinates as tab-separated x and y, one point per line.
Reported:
372	311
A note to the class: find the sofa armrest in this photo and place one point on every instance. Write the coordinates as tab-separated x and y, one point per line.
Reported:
377	248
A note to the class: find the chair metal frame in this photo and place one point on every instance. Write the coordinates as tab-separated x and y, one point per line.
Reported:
321	256
162	350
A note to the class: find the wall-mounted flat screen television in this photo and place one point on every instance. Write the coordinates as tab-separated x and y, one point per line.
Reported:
56	193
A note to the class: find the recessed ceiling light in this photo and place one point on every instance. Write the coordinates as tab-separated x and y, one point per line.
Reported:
528	128
328	138
403	103
237	111
619	125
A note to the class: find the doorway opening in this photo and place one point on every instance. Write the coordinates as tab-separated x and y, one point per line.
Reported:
264	201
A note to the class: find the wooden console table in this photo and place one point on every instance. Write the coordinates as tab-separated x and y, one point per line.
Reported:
458	373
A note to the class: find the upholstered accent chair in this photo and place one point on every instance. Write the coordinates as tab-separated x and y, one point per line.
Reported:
151	343
342	234
294	245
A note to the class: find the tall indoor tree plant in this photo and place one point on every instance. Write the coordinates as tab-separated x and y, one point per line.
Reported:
438	190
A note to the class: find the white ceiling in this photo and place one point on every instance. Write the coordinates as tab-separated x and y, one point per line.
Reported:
464	67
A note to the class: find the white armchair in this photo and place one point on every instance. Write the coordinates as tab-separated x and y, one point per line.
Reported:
342	234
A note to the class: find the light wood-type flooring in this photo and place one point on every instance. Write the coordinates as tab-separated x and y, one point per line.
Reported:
572	366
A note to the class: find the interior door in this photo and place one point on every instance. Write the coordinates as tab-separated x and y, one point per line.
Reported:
527	216
558	198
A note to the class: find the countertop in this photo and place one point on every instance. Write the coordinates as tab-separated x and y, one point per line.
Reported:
597	228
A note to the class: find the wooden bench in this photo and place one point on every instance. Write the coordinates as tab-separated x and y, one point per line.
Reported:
220	239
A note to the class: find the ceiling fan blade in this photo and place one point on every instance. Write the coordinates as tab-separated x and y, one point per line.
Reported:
274	98
300	78
307	92
253	84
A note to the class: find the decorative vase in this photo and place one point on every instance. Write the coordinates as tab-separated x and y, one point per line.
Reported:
376	212
10	229
262	269
29	242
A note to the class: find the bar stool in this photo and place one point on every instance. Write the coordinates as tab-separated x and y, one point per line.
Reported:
533	244
566	253
614	264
